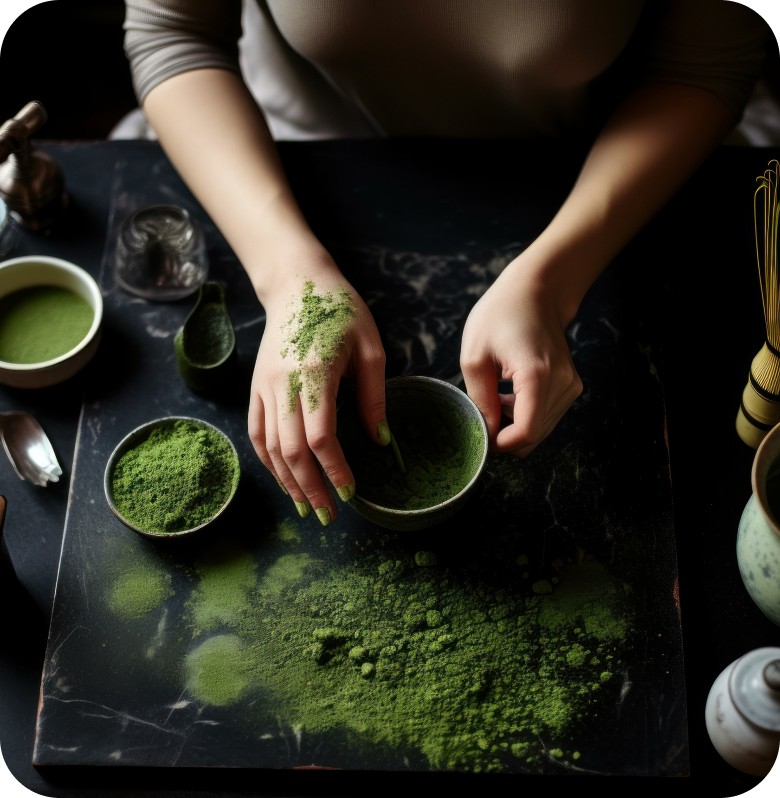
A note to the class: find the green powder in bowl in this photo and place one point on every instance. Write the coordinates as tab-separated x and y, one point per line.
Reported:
41	323
442	441
51	314
172	476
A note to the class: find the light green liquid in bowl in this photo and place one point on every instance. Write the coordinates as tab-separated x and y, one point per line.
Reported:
41	323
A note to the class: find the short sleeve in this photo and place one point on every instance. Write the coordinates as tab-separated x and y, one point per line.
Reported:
717	45
166	37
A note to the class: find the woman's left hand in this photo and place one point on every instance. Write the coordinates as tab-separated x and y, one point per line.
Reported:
515	333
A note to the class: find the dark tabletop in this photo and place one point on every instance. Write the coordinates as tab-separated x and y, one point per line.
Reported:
688	284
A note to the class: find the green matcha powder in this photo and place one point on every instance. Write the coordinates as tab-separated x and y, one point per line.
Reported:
396	657
41	323
315	335
177	478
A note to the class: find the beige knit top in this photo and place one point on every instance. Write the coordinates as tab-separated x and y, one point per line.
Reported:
463	67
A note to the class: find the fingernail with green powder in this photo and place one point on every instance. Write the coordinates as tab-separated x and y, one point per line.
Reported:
281	485
383	433
303	509
346	492
324	515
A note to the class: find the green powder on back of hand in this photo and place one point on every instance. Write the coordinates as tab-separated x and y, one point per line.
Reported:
41	323
315	335
177	478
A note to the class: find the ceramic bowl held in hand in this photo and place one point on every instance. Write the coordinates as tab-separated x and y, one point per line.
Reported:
430	469
51	315
171	477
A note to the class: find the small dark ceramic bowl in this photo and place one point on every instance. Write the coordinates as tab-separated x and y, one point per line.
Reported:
430	470
141	434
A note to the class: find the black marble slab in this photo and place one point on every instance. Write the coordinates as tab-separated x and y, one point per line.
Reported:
403	221
565	562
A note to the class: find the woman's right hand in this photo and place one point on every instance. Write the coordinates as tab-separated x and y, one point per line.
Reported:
318	331
244	189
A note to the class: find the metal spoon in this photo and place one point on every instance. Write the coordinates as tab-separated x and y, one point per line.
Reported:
28	448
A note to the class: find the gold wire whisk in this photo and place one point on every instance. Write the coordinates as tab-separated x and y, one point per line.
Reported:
759	410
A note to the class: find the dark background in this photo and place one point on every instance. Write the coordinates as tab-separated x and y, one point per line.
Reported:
68	55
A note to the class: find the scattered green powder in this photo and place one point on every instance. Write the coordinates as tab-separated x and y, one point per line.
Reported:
425	559
41	323
391	652
177	478
315	335
288	532
219	670
441	452
138	591
226	582
286	572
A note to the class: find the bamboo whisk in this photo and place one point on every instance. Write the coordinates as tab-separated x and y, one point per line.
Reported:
759	410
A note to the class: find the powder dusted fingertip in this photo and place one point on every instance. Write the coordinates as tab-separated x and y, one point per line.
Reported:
346	492
303	509
281	485
324	515
383	433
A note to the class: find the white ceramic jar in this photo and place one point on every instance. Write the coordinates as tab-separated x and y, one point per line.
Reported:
758	534
743	711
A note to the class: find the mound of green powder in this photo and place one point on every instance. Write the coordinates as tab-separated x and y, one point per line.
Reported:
177	478
394	656
41	323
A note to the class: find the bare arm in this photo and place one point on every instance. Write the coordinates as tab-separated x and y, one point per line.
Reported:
647	150
217	139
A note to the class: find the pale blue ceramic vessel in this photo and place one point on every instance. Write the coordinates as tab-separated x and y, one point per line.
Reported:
758	535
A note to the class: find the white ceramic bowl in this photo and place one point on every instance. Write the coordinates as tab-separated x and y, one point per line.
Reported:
40	270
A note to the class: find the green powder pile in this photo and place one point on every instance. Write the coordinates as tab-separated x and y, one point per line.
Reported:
441	452
175	479
406	658
315	334
41	323
402	659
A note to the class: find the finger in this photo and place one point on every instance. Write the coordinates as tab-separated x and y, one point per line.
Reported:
550	423
481	383
320	429
527	410
320	396
527	429
297	466
264	433
370	389
258	435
